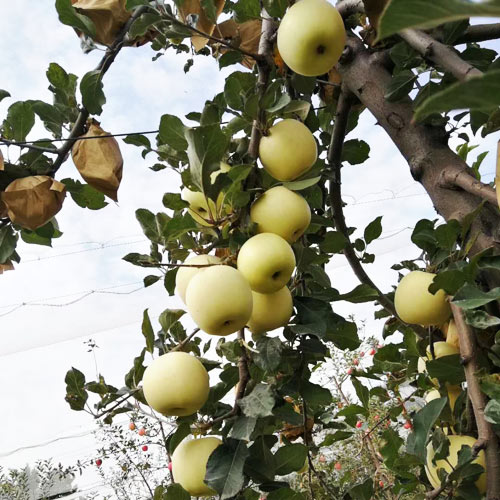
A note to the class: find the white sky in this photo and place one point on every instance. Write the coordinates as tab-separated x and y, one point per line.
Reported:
41	342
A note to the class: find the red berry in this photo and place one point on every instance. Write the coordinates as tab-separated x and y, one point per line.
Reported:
361	354
359	424
170	466
338	466
381	484
376	418
407	425
98	462
372	352
131	426
141	432
349	371
355	361
322	459
145	448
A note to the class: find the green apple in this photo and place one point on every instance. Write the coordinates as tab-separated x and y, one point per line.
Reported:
267	261
176	383
270	311
288	150
219	299
311	37
201	208
189	465
281	211
184	274
448	464
416	305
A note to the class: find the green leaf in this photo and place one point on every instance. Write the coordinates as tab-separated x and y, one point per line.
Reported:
229	58
269	353
344	334
147	331
401	14
132	4
143	23
43	235
3	94
245	10
355	151
290	458
183	430
390	449
238	87
480	93
134	375
242	428
314	394
93	97
285	494
174	491
362	392
362	491
173	201
334	242
69	16
373	230
225	468
446	369
172	132
168	317
481	319
276	8
297	109
492	412
52	118
20	120
85	196
76	395
8	242
303	184
259	403
261	464
206	147
422	422
401	85
470	297
362	293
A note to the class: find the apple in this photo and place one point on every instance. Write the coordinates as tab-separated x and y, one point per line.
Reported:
141	432
267	261
288	150
359	424
170	466
448	464
131	426
145	447
416	305
451	332
98	462
453	392
184	274
224	169
322	459
350	371
311	37
355	361
189	465
407	425
372	352
338	466
175	384
283	212
442	349
270	311
219	299
201	208
361	354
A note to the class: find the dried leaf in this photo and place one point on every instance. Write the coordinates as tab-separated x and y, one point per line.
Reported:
203	23
109	16
245	36
374	9
1	161
32	201
8	266
99	161
330	92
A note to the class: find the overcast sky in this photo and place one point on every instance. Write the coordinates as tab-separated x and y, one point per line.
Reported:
80	288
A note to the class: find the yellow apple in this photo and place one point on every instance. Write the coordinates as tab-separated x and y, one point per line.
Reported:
288	150
451	332
281	211
224	168
270	311
311	37
456	443
201	208
176	383
453	393
189	465
267	261
442	349
184	274
219	299
416	305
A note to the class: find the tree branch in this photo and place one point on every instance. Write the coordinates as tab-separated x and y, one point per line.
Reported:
185	341
486	433
28	146
479	33
439	53
103	66
467	182
264	65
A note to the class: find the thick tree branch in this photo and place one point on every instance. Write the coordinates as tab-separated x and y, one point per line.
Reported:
467	182
423	146
264	65
103	66
334	160
486	435
439	53
479	33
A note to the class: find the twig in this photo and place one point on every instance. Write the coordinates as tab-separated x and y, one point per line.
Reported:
264	65
28	146
468	183
103	66
479	33
122	400
306	442
439	53
486	434
185	341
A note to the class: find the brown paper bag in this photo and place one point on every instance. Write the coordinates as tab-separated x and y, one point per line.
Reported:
204	24
32	201
246	36
109	16
99	161
8	266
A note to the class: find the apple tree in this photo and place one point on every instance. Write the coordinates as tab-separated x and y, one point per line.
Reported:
418	67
